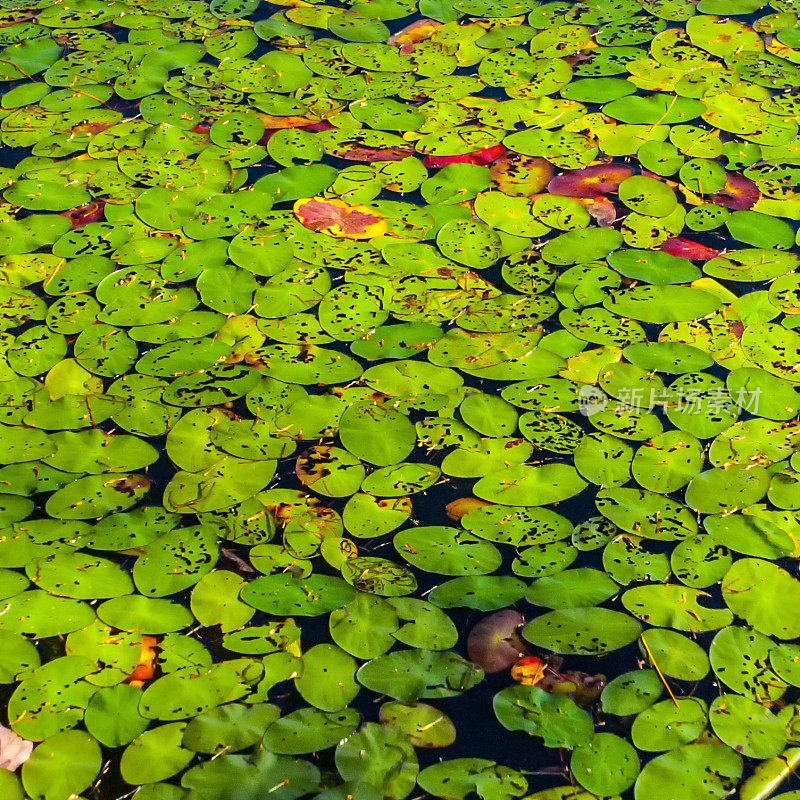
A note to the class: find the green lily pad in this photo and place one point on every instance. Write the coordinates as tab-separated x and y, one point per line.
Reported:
51	699
19	656
400	480
331	471
112	715
582	631
723	490
364	627
155	755
631	692
557	720
675	654
80	576
285	594
377	435
144	614
668	461
62	765
308	730
700	561
693	771
230	727
421	723
607	765
175	561
36	614
627	559
740	658
327	681
424	625
530	486
747	726
573	588
379	756
646	514
446	551
481	592
749	589
215	601
460	777
676	607
518	526
667	725
409	675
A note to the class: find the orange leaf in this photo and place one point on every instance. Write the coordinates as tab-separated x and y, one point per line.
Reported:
339	219
528	671
461	507
272	122
145	669
417	31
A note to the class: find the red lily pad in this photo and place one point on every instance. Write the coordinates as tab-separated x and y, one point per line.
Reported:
593	181
311	127
83	215
488	155
316	127
339	219
482	157
685	248
373	154
739	193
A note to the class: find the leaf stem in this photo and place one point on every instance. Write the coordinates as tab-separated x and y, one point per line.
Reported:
658	670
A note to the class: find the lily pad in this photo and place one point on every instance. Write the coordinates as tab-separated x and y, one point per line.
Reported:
749	589
557	720
582	631
606	766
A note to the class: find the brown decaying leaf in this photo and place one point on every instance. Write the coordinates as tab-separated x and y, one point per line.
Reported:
494	644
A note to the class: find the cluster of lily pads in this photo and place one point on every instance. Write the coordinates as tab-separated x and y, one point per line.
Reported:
466	326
